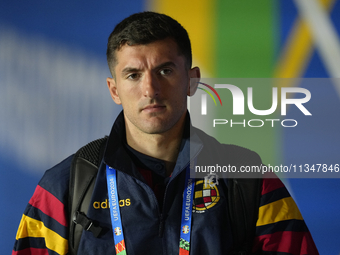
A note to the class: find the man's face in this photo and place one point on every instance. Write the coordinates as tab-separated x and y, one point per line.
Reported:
152	83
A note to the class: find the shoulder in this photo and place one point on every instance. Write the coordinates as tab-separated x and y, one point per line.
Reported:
230	152
56	179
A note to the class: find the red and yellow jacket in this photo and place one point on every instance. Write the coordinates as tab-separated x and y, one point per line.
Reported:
151	228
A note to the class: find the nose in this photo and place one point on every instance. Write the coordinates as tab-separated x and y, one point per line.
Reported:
150	86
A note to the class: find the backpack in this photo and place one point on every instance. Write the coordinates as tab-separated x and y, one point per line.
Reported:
243	200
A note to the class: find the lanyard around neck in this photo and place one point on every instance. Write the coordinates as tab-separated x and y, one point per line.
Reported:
118	235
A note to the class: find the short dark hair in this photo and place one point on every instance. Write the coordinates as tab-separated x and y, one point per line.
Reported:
147	27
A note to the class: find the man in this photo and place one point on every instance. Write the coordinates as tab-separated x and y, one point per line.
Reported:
146	161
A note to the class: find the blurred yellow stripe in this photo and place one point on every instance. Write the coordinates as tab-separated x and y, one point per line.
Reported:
198	18
297	51
283	209
30	227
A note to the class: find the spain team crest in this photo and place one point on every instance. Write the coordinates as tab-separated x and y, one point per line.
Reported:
206	195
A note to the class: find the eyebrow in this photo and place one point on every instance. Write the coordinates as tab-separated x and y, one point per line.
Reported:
166	64
130	70
136	70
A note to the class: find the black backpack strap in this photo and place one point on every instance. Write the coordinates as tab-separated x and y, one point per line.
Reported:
243	200
83	173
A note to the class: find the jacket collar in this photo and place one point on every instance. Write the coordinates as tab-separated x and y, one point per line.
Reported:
117	157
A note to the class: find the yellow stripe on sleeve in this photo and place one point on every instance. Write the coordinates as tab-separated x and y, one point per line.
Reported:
283	209
30	227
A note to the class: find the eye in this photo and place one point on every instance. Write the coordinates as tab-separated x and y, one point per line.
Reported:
165	71
133	76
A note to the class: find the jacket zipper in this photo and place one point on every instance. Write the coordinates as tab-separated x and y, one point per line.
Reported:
162	220
161	226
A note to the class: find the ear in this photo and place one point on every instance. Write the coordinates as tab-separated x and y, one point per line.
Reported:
195	75
111	83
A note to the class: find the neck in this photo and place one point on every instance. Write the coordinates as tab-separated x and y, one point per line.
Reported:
163	146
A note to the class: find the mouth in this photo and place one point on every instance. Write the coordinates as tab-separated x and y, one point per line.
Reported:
152	108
